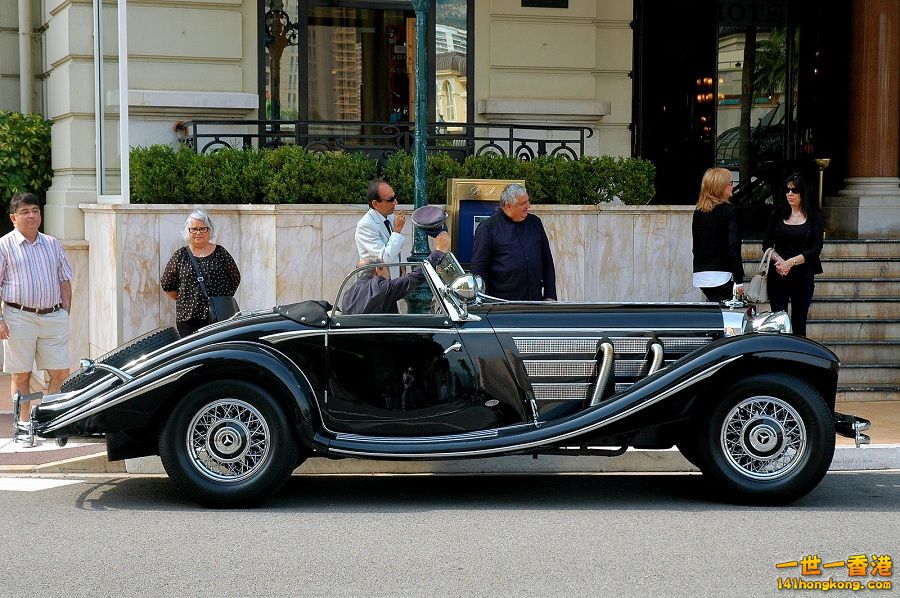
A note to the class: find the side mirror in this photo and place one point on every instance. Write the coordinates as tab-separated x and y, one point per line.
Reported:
87	365
466	287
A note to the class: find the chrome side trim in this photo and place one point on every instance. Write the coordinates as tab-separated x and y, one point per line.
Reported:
87	410
393	329
280	337
604	330
420	439
554	439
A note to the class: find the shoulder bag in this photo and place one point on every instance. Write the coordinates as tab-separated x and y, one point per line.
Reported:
758	290
220	307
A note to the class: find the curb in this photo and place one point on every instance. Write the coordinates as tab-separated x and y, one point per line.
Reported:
846	458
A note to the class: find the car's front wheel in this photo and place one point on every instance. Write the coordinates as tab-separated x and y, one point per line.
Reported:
228	443
770	441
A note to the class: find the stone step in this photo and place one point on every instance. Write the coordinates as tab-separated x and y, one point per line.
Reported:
874	392
868	393
855	268
828	308
869	374
855	329
854	352
842	287
837	248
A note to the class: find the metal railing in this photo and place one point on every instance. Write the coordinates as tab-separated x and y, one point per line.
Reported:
381	139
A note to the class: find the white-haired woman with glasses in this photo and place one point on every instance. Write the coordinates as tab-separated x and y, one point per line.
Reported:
179	280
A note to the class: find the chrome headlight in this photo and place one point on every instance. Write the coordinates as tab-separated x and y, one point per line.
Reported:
738	318
777	322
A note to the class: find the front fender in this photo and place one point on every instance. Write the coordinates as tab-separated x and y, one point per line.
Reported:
142	401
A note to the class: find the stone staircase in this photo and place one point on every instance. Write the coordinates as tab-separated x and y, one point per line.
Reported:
856	313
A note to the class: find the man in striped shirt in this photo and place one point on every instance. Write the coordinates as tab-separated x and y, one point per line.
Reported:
36	289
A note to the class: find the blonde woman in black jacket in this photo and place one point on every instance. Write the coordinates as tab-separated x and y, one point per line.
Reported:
718	270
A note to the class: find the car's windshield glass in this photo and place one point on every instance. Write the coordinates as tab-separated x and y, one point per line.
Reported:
448	269
368	290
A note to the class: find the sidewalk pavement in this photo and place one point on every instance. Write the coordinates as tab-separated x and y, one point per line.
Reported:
83	456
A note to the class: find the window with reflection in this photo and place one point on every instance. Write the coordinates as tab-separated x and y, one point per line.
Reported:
353	60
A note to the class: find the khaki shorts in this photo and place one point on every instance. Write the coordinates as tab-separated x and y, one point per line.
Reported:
35	339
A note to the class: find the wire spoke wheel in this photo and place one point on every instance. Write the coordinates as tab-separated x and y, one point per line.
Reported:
228	440
769	439
763	438
228	443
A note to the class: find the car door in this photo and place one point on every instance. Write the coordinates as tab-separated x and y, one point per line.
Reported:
400	374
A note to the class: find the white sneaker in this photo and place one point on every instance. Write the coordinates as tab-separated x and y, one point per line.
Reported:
22	441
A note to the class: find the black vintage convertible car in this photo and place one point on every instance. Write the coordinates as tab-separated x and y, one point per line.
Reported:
234	408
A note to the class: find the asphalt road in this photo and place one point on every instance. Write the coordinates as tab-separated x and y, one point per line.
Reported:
555	535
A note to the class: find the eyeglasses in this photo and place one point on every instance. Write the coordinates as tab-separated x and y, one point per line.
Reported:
793	190
200	230
391	198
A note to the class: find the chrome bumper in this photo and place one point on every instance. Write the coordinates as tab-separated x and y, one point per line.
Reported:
853	427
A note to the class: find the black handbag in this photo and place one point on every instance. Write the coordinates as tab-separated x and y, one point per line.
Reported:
220	307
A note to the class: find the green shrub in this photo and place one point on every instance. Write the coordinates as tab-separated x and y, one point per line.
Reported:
341	177
634	180
24	155
290	174
297	176
440	166
157	174
551	180
493	166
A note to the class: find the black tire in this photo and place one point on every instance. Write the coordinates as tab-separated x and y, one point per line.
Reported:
770	441
228	443
120	356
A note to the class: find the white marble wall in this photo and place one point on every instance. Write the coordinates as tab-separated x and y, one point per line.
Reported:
289	253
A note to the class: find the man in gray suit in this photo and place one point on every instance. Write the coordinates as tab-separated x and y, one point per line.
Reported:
379	232
375	292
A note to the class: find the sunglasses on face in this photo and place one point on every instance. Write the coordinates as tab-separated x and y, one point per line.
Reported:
200	230
794	190
389	199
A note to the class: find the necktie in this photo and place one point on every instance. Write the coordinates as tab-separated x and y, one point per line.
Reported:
387	225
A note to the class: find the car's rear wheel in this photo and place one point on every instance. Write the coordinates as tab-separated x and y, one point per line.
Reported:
770	441
146	343
228	443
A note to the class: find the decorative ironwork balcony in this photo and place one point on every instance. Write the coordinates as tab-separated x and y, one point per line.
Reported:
381	139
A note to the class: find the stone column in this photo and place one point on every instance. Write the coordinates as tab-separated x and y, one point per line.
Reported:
870	200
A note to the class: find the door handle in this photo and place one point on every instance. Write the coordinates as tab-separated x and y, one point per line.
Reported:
454	347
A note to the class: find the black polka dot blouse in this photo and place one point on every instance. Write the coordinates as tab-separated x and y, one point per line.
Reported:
220	274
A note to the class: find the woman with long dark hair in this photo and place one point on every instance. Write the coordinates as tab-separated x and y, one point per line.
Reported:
718	270
796	231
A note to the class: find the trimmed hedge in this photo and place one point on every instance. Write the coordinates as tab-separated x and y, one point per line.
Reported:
24	155
290	174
